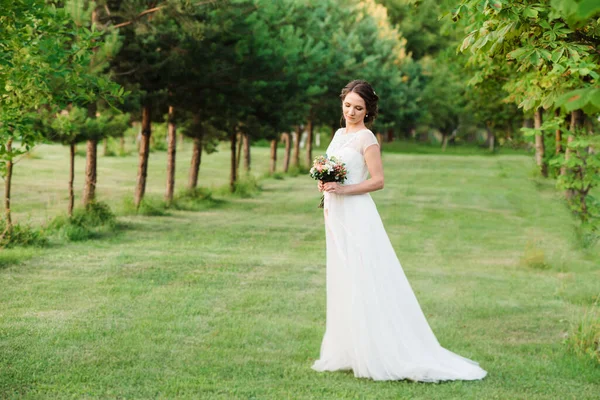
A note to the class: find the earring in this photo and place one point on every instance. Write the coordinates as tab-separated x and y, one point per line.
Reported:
367	116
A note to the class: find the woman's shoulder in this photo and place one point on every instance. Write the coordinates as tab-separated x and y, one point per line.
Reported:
367	132
368	138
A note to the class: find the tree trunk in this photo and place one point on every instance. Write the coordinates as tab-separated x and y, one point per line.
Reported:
89	191
233	175
589	127
558	136
195	164
238	159
91	158
273	156
171	155
181	139
309	140
7	187
528	123
509	133
583	205
246	146
143	155
491	137
196	153
444	141
71	179
576	122
563	169
296	157
539	143
286	137
390	135
122	144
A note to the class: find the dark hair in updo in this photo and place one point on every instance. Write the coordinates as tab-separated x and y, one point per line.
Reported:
364	90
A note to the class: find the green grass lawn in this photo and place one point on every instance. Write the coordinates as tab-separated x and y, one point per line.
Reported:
229	302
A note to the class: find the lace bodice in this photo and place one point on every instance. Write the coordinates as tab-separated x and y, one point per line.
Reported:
350	148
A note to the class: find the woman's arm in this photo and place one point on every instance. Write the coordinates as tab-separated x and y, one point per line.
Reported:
375	166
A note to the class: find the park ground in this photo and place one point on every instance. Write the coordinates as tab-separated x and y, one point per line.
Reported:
228	301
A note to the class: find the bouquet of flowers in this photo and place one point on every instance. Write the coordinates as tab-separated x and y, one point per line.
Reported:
327	169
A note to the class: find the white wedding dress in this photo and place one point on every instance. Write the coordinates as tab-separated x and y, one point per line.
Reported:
375	326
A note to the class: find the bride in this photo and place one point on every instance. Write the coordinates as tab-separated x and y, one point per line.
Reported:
375	326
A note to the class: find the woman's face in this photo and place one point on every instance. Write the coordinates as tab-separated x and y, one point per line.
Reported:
354	108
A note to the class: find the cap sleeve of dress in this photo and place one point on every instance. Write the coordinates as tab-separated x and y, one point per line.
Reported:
367	140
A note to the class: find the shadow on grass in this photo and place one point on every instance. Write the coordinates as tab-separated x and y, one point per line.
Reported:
350	374
247	186
150	206
116	230
198	199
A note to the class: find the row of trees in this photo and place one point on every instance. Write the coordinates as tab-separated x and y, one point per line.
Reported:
47	62
242	70
545	56
217	69
255	68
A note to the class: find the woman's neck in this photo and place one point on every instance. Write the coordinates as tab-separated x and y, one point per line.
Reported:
350	128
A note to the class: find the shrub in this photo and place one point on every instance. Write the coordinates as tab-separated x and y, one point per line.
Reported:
534	257
150	207
110	153
583	338
159	137
21	235
159	145
124	152
261	143
85	223
194	200
588	234
247	187
113	148
93	215
276	175
67	230
295	171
